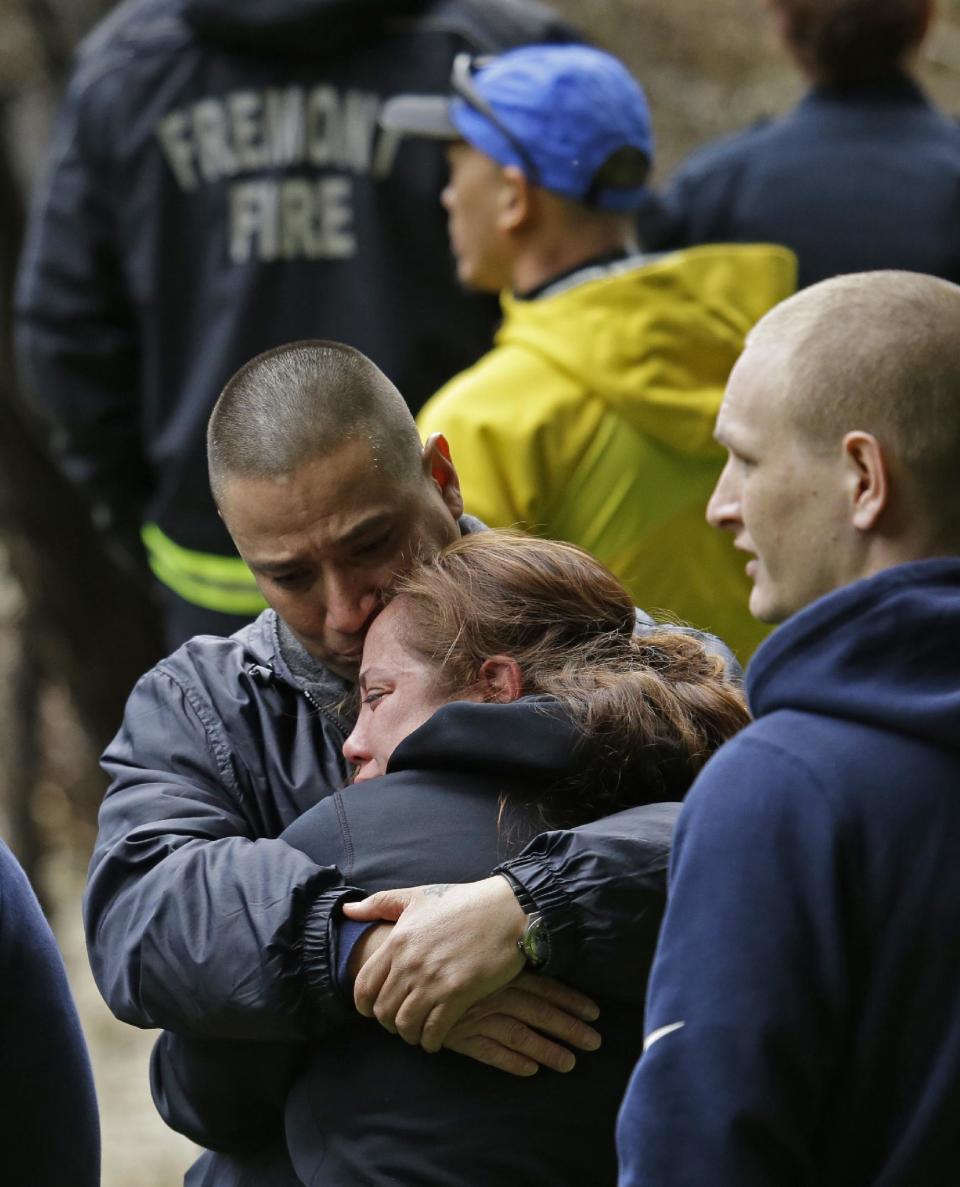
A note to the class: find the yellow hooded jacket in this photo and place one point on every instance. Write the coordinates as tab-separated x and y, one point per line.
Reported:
591	420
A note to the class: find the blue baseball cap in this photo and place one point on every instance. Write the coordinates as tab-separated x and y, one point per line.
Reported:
571	117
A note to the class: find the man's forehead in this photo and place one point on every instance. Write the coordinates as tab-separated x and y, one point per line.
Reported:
284	516
735	397
337	534
345	474
756	392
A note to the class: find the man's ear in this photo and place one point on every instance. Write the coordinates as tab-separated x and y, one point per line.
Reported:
439	468
515	200
868	479
500	679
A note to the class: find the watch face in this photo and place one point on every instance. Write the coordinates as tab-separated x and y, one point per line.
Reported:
535	944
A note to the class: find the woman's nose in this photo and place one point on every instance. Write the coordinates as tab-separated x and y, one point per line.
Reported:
354	750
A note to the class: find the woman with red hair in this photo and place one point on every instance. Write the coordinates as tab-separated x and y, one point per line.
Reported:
504	690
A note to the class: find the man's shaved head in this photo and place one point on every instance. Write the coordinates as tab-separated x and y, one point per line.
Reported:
303	401
841	422
878	352
319	474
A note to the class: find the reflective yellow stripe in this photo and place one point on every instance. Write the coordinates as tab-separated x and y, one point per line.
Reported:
215	582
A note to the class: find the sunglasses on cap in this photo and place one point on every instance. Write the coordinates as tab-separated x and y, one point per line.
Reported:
465	67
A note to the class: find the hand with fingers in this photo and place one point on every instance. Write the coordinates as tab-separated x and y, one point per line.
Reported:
514	1029
452	946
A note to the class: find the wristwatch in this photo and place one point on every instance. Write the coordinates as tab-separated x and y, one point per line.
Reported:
534	943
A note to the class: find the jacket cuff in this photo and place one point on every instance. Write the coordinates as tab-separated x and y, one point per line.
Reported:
540	889
319	954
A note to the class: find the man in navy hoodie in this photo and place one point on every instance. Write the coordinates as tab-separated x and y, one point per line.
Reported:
802	1020
217	186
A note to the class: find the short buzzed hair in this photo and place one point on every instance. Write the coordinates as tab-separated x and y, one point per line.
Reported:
302	401
879	352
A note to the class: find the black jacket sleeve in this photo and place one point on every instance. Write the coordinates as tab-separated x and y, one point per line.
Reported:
196	922
601	889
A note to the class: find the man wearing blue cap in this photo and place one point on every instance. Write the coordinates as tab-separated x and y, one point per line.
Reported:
591	418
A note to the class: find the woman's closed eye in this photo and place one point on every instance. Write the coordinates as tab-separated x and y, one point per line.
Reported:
373	696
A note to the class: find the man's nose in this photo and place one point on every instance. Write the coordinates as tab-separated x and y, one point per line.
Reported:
723	508
349	606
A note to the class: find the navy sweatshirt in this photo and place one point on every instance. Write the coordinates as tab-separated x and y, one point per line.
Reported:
49	1131
803	1017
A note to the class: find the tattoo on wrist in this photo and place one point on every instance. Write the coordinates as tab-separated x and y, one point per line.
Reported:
437	891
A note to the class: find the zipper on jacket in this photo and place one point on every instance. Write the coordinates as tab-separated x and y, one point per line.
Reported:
325	713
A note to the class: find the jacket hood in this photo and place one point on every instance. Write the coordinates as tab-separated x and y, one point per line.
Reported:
539	743
285	24
882	652
534	740
656	337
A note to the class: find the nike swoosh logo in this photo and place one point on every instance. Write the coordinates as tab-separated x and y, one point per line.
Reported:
656	1035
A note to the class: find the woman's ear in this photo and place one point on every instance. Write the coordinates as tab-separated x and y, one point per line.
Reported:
500	679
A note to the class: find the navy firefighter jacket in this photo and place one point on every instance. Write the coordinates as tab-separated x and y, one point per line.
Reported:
218	185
